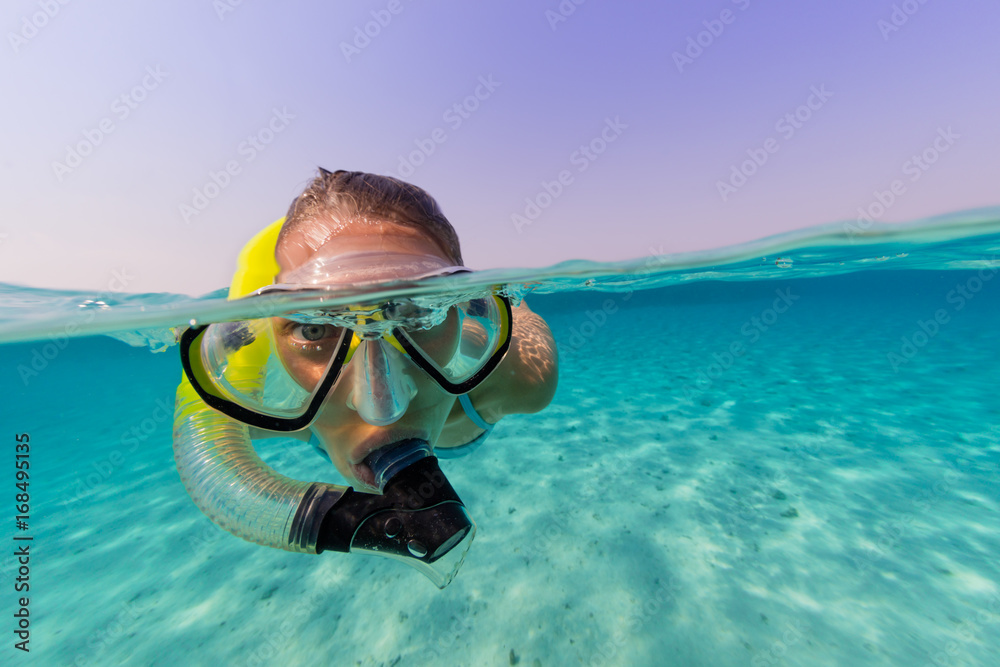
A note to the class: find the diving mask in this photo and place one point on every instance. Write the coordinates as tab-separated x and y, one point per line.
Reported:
276	372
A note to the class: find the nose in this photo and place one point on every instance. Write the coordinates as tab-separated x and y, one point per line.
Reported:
381	388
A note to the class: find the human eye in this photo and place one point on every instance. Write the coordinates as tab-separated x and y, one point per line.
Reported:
311	333
309	336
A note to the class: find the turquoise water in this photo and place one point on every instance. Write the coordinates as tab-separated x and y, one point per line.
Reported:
785	453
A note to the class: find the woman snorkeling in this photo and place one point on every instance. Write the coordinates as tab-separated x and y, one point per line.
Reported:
379	385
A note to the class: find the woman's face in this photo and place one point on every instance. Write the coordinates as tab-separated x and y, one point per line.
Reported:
306	349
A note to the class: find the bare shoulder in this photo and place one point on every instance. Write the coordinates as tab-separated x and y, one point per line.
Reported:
526	379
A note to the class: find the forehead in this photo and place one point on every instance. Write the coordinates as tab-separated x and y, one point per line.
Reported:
315	238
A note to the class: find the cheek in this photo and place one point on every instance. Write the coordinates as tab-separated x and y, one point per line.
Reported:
429	393
307	372
441	344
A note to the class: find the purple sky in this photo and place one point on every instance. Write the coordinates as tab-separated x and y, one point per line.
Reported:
117	113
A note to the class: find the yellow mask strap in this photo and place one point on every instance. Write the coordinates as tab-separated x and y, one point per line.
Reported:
256	265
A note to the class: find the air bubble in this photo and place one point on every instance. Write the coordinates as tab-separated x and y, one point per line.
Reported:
392	526
417	548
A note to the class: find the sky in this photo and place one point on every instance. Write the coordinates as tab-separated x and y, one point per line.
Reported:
143	144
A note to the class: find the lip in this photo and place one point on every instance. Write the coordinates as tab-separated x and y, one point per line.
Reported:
360	452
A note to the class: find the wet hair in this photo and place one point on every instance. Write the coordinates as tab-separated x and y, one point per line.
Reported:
334	200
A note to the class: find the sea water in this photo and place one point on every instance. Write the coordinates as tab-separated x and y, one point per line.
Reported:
782	453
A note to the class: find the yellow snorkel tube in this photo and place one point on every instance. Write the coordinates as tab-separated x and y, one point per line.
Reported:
231	484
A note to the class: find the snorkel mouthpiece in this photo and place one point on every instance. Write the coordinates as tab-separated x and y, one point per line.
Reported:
418	519
386	462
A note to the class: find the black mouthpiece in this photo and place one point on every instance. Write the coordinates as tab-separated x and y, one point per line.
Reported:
418	515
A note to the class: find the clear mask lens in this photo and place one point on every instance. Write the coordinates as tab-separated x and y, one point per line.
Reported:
462	340
273	366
